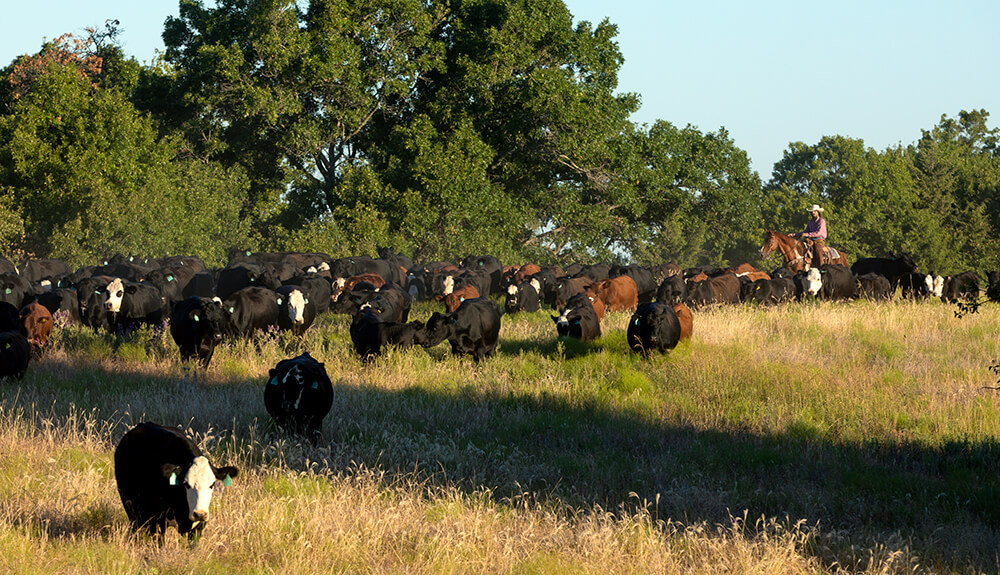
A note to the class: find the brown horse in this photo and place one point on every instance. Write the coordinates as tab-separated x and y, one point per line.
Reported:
797	253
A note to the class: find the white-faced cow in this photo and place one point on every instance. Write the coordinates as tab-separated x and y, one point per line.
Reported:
129	304
296	311
164	479
197	325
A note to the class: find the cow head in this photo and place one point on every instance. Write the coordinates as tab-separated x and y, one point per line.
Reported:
449	284
115	294
198	481
293	377
438	328
938	286
296	307
814	281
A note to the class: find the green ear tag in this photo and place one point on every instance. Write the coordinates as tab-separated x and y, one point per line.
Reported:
636	322
279	301
227	482
315	385
231	310
307	300
6	291
195	317
170	278
274	381
248	252
173	479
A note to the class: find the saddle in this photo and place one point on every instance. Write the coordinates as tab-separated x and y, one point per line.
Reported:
826	256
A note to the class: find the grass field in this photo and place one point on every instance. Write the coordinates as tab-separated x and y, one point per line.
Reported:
810	438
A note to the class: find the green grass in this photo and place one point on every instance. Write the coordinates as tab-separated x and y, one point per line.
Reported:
865	427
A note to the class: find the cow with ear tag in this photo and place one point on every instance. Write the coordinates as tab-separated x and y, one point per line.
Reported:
197	325
295	310
298	395
653	327
164	480
473	328
578	319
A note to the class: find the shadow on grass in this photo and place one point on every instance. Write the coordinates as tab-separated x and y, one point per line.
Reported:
941	500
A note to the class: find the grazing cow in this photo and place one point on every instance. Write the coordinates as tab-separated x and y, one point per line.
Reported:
874	287
234	278
837	282
298	395
250	309
370	332
129	304
963	286
521	297
700	293
892	268
473	328
15	353
37	322
164	479
653	326
578	319
618	294
772	291
672	290
455	298
296	311
686	320
197	325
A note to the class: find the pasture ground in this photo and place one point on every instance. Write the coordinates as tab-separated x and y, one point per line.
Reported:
810	438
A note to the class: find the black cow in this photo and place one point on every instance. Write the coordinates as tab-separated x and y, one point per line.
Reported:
371	330
488	264
234	278
397	298
892	268
15	353
164	479
172	281
578	319
197	325
129	304
963	286
34	271
672	290
250	309
916	285
298	395
473	328
838	282
14	289
772	291
91	295
357	265
10	317
873	287
700	293
653	326
521	297
296	311
7	266
317	289
993	285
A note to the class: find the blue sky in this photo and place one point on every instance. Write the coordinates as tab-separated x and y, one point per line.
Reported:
770	72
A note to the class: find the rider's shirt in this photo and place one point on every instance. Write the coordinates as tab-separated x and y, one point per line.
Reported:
815	229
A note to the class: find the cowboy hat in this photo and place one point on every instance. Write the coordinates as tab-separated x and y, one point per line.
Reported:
815	208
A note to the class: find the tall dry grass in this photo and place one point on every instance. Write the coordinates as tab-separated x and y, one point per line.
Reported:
802	439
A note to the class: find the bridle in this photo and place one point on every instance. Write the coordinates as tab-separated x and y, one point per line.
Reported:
786	250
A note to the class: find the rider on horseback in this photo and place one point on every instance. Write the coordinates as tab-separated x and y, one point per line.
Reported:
815	231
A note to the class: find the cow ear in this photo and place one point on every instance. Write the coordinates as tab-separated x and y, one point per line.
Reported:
170	471
131	288
227	474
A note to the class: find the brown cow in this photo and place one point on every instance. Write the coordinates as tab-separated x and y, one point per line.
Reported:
596	302
742	269
754	276
618	294
687	321
37	321
727	288
526	271
347	284
455	298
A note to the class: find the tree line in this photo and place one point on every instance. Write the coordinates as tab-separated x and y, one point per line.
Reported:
441	129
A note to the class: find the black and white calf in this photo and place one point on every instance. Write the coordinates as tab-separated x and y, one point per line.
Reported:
298	395
164	479
578	319
653	326
522	297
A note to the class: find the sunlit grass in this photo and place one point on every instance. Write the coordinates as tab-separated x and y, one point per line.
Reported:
862	434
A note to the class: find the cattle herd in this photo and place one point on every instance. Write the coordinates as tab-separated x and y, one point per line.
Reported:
163	477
